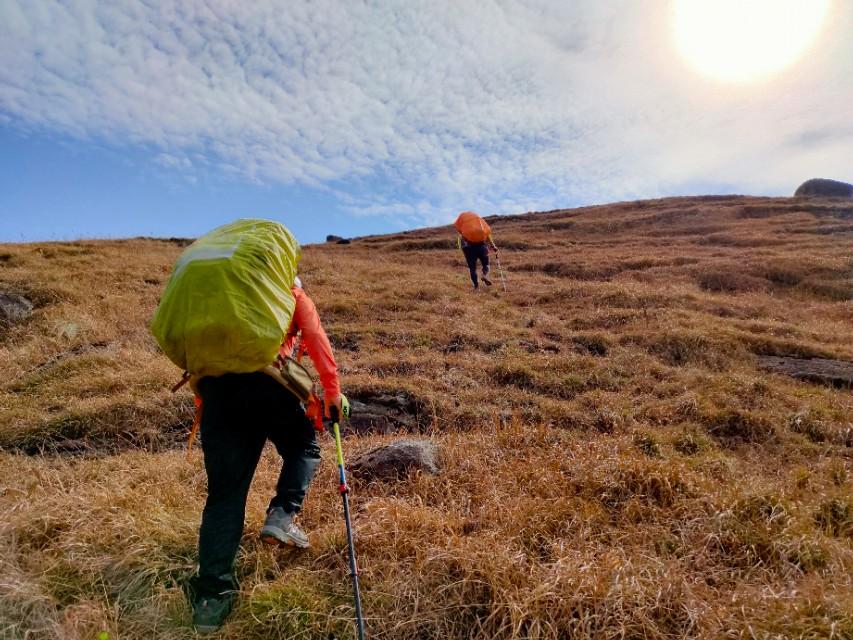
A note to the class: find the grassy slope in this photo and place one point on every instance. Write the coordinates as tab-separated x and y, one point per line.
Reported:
615	465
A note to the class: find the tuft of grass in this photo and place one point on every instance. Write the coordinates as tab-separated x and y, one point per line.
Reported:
690	444
647	445
725	281
810	425
835	517
689	348
730	424
595	344
517	375
838	473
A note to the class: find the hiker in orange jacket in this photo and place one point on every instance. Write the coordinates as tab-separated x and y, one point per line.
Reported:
475	237
240	412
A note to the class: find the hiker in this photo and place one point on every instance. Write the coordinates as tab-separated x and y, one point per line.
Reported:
228	311
474	239
240	412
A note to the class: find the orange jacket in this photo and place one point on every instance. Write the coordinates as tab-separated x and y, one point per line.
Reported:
314	341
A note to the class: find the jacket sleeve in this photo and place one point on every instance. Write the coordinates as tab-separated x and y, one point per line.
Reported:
307	320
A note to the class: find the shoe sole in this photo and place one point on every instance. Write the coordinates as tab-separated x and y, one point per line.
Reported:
488	282
278	538
205	629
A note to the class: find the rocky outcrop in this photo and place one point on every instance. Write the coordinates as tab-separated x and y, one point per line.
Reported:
396	459
823	188
332	238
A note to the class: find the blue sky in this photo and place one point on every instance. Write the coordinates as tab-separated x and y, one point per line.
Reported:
169	118
55	187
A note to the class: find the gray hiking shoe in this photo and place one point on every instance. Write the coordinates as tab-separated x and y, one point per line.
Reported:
280	529
487	281
209	613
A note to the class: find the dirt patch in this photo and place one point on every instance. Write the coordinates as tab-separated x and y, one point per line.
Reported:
836	373
536	346
461	342
344	340
156	427
173	436
385	411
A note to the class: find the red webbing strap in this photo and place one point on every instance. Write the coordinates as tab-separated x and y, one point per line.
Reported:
196	423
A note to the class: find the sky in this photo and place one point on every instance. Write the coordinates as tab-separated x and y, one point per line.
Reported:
164	118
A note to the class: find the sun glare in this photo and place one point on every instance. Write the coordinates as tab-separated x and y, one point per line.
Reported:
744	40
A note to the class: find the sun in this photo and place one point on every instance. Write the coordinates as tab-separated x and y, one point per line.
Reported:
746	40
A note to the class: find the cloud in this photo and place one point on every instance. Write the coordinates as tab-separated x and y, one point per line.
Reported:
416	110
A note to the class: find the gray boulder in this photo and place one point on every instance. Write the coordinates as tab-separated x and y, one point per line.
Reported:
332	238
396	459
823	188
14	308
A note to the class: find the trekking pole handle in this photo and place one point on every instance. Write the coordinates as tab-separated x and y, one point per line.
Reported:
335	415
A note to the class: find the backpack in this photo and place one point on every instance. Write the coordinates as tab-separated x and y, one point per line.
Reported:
472	227
228	304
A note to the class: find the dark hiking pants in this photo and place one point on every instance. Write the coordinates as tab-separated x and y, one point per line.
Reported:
474	252
240	411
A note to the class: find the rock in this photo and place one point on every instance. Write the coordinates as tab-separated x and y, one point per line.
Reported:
837	373
396	459
331	238
14	308
344	241
823	188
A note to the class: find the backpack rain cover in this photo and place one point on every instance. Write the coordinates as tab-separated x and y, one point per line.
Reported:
472	227
228	303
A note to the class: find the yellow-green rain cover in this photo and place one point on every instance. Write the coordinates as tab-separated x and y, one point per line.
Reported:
228	303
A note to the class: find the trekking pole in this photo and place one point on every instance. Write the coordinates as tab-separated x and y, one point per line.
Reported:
500	270
344	491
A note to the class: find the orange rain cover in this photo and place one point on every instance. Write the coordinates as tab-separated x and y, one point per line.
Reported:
472	227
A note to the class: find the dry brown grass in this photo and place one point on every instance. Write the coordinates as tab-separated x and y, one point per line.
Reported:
614	463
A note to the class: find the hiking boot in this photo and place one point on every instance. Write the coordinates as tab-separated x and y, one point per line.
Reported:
209	613
487	281
280	529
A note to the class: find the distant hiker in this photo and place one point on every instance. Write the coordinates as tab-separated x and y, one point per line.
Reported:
475	237
246	401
